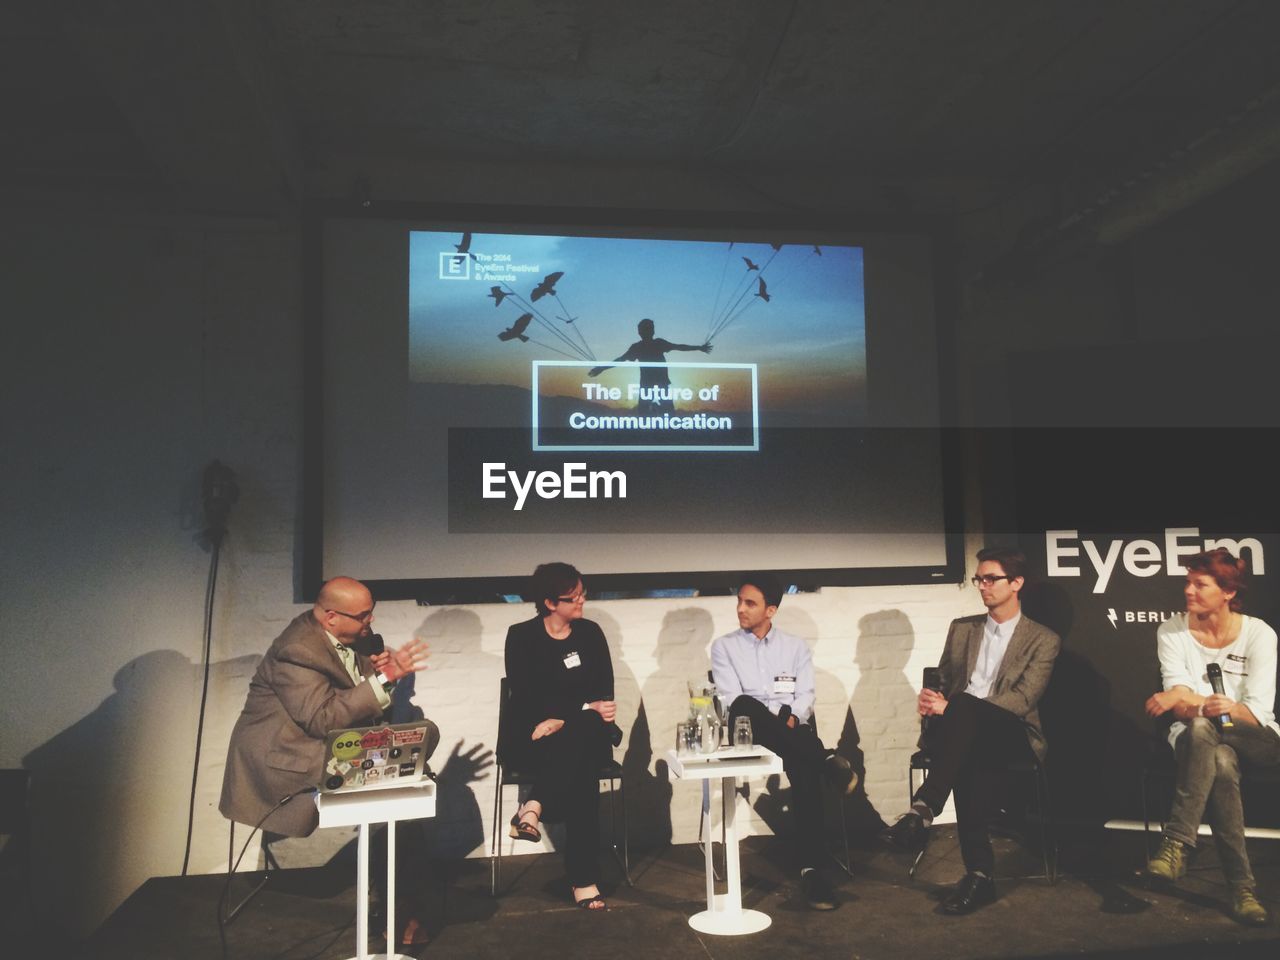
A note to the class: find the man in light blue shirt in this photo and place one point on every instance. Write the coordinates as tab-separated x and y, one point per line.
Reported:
767	675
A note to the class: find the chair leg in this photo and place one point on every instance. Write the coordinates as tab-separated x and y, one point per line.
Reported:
495	847
266	874
915	863
911	796
1146	816
626	837
847	863
623	858
1042	809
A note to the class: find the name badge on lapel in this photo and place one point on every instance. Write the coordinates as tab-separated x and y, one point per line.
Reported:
572	660
784	683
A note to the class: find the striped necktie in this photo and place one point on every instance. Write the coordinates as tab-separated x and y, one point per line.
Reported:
348	657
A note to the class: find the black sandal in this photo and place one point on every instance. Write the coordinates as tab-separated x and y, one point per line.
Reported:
524	831
588	903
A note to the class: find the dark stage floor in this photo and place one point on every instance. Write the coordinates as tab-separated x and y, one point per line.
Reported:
1102	911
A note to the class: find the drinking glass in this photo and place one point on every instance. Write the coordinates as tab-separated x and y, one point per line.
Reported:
711	734
685	738
742	732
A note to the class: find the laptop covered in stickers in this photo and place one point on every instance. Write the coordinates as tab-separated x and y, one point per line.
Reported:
374	758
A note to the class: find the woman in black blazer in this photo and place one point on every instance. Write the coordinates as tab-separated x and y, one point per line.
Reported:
561	681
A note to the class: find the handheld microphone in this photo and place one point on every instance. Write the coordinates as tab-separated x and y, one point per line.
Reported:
932	681
784	713
368	646
1215	681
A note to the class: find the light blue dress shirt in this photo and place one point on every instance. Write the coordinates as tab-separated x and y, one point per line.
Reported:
763	669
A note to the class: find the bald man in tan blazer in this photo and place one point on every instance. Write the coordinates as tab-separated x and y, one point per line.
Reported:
301	691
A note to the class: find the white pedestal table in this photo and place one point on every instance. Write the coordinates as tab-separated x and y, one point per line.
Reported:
724	914
362	808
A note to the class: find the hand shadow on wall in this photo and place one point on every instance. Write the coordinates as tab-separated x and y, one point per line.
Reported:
454	636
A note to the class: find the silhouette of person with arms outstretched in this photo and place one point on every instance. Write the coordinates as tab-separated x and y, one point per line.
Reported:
652	379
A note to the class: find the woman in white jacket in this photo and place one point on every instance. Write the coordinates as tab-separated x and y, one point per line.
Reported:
1213	732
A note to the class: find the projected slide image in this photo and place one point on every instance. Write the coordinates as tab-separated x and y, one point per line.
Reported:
637	325
642	398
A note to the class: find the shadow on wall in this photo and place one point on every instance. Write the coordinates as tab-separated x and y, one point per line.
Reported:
468	673
884	701
100	787
639	791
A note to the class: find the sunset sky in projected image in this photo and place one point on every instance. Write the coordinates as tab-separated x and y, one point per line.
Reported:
808	339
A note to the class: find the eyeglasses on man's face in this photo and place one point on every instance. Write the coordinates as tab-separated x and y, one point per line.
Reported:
357	617
988	579
573	598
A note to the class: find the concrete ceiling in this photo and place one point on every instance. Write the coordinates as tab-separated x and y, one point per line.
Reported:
254	105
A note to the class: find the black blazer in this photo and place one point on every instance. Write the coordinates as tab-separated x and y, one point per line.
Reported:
541	684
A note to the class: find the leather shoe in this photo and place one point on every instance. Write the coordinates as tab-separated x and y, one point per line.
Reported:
817	891
840	773
973	891
412	932
908	834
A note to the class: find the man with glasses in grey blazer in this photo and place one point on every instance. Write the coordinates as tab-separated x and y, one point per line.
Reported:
994	670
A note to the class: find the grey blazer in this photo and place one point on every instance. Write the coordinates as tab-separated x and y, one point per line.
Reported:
1023	675
300	692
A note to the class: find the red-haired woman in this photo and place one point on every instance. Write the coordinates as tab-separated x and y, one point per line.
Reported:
1213	732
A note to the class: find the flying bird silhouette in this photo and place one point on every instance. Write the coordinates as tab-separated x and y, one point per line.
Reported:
763	292
750	265
498	294
547	286
517	329
464	250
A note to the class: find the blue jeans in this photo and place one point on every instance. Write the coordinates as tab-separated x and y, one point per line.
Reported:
1209	777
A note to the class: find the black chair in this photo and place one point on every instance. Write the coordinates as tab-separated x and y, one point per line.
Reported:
920	760
511	775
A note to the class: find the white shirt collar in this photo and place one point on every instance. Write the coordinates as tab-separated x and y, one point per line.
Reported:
1003	630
